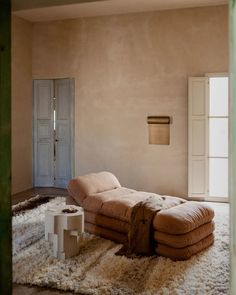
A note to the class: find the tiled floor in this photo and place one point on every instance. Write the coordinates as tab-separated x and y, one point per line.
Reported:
26	290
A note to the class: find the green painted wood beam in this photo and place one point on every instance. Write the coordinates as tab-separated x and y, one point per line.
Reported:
5	148
232	170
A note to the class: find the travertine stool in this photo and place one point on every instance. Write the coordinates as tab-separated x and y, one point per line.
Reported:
63	230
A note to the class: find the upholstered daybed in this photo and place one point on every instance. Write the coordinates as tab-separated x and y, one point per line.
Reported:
180	229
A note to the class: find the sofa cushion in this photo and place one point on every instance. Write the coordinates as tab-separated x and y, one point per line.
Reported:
116	204
105	233
119	203
83	186
183	218
184	253
106	222
190	238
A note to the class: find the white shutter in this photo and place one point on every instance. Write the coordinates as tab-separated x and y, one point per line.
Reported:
198	137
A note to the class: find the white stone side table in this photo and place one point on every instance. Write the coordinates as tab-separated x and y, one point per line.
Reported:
64	230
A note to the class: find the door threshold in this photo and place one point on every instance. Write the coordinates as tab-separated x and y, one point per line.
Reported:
217	199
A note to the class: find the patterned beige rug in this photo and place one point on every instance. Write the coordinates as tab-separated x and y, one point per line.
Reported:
96	270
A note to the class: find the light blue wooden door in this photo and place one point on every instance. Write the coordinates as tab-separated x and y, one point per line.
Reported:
53	132
43	133
64	131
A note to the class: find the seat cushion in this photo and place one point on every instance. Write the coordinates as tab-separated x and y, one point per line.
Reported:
83	186
105	233
116	204
106	222
119	203
183	218
184	253
190	238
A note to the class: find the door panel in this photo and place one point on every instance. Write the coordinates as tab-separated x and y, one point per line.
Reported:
197	137
218	177
44	159
198	177
62	94
218	98
43	133
198	96
44	130
44	92
63	169
218	137
63	158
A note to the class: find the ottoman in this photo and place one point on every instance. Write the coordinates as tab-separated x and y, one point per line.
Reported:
183	230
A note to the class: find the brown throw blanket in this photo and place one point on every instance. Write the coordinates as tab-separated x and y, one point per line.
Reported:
140	239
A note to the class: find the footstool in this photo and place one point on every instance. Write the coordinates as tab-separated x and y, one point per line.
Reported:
64	229
184	230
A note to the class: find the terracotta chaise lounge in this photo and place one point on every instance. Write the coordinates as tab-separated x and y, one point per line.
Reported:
181	229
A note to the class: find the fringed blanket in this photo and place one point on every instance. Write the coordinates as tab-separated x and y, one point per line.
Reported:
140	236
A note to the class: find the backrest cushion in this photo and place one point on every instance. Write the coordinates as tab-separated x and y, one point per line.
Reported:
93	183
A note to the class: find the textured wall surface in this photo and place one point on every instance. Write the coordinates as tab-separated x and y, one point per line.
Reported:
21	105
126	68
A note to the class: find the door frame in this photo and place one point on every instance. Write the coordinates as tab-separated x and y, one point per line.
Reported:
5	149
72	125
72	89
232	147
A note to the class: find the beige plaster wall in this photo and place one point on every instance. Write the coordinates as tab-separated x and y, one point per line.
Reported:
21	105
126	68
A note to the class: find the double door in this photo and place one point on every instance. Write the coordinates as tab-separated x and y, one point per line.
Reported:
53	132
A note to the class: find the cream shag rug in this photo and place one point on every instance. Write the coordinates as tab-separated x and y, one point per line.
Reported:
96	270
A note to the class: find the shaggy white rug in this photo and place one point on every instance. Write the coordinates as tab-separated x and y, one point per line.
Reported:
96	270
